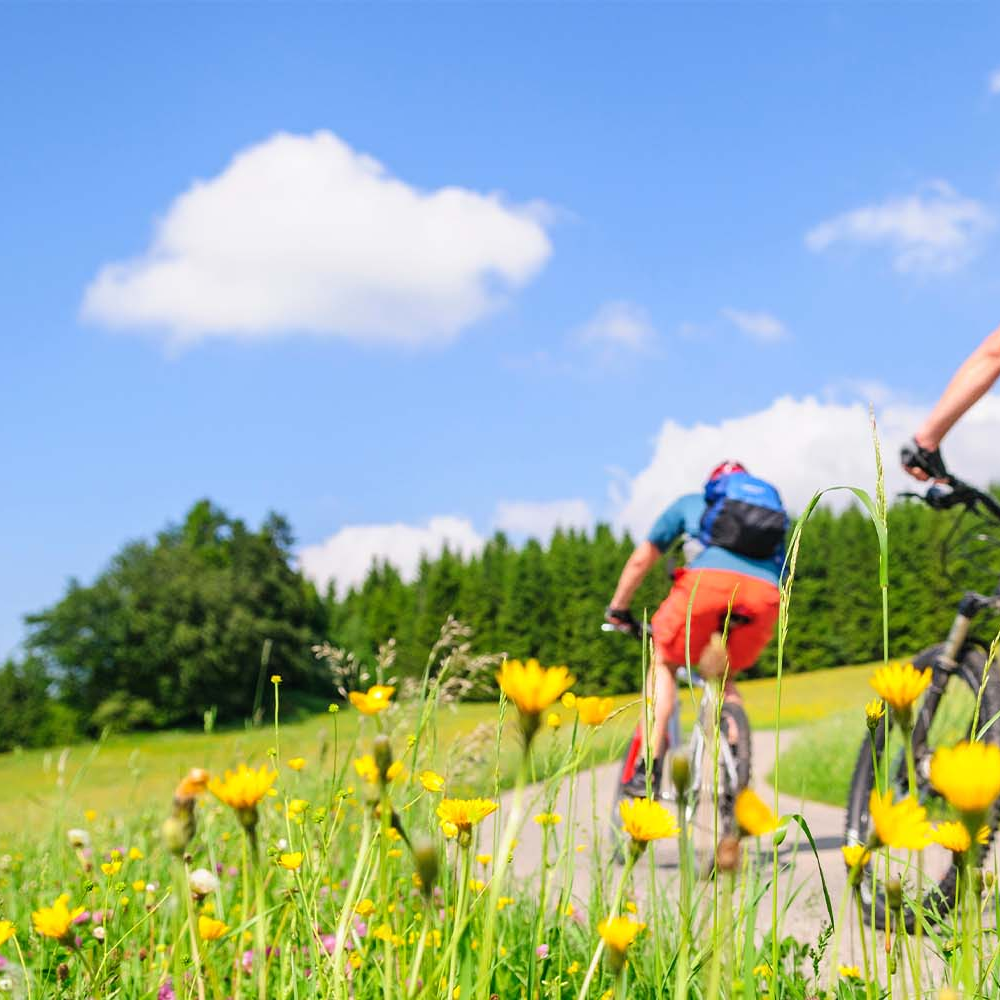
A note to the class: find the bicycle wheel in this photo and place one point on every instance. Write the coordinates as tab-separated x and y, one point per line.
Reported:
945	716
720	776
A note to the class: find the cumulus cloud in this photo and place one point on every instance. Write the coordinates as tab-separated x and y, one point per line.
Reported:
759	326
539	520
345	557
301	233
994	83
934	231
620	325
803	445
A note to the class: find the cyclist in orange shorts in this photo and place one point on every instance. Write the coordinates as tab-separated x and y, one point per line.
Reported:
739	526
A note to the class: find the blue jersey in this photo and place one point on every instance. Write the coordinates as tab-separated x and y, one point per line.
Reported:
683	518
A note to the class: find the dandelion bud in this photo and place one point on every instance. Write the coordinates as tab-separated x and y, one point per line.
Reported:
779	836
382	752
892	965
977	881
425	857
680	773
176	832
894	893
727	854
202	882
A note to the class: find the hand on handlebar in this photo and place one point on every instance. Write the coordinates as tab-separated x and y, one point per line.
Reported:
622	619
923	463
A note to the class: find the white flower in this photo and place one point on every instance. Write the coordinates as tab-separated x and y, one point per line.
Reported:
78	838
99	933
151	887
282	844
202	882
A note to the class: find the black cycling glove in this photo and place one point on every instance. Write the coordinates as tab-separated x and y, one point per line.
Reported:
913	456
622	618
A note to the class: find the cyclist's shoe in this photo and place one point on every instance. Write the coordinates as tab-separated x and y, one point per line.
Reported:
635	788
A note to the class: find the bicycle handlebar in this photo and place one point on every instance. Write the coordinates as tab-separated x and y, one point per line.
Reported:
954	492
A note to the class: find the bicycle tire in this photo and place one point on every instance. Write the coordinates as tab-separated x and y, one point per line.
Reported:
712	819
940	898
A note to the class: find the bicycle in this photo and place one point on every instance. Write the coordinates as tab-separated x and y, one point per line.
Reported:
708	805
961	697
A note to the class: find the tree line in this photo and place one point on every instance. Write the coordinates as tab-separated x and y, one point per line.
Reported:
198	618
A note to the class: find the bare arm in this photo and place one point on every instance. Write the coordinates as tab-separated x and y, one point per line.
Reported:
970	383
639	564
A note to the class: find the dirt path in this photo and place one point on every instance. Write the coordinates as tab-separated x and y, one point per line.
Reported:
801	897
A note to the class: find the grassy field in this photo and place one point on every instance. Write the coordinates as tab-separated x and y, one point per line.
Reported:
130	773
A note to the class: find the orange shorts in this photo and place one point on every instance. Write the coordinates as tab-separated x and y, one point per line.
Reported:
717	589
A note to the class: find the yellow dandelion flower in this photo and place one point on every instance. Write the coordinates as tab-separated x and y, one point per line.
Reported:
753	815
618	933
275	678
531	686
296	763
762	971
90	815
210	929
631	907
568	700
134	854
902	825
382	933
394	852
484	859
504	901
367	768
874	710
645	820
376	699
55	921
568	910
394	770
477	884
6	930
849	971
243	788
900	684
855	855
111	867
291	861
952	836
593	711
553	720
297	806
572	968
461	815
967	775
355	961
432	781
365	908
548	819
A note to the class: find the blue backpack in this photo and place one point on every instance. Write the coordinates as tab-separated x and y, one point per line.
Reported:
744	515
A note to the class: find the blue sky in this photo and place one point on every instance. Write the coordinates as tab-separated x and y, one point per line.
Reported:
700	210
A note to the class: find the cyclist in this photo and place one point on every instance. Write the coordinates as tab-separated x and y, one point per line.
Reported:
735	546
922	458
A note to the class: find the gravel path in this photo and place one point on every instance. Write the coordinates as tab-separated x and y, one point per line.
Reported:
799	884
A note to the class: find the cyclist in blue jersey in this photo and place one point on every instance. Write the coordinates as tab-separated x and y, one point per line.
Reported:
715	581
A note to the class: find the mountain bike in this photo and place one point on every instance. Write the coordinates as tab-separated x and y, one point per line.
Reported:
962	702
708	803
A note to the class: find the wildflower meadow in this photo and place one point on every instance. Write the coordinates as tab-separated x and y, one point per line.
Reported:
369	873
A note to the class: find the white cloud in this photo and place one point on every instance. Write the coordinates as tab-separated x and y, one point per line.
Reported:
759	326
346	556
995	82
934	231
619	325
539	520
804	445
300	233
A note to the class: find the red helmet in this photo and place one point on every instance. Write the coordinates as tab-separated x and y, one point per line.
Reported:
725	468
